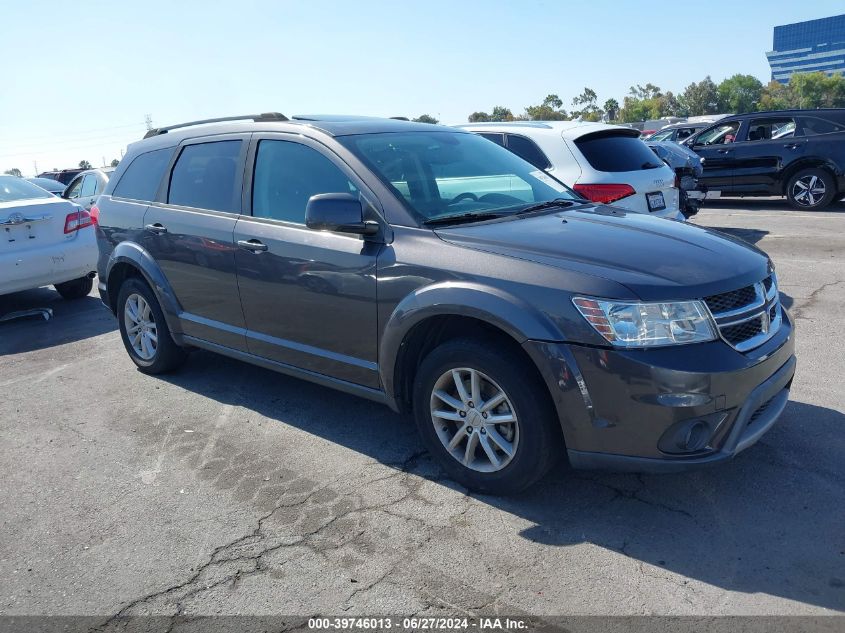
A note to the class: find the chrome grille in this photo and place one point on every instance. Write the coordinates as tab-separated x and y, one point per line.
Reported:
731	300
749	316
740	332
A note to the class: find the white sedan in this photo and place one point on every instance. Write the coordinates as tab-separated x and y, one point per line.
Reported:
44	240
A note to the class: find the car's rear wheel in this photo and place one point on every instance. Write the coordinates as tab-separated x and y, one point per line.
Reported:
485	418
810	189
144	331
75	288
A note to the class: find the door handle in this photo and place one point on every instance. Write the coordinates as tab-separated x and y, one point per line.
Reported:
792	145
156	228
723	151
252	245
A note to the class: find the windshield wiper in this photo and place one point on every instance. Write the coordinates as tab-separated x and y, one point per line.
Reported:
548	204
457	218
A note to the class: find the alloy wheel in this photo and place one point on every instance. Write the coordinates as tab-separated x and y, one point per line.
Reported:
474	419
140	325
808	191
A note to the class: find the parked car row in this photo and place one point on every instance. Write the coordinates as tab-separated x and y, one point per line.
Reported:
436	272
799	154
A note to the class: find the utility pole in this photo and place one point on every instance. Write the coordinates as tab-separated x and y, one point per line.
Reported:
148	120
104	161
35	164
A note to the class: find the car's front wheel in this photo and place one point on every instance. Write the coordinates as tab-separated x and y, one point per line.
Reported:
485	417
75	288
144	331
810	189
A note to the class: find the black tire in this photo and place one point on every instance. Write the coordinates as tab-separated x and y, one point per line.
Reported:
75	288
794	189
167	355
539	441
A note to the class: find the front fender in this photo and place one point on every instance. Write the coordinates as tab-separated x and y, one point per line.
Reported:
135	255
509	313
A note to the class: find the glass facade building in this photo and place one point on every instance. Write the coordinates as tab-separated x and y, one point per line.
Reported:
805	47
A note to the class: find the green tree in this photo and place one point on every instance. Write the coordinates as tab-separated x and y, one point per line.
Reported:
549	110
817	90
478	117
643	93
84	164
115	162
740	93
14	171
611	109
501	113
699	98
777	96
588	102
426	118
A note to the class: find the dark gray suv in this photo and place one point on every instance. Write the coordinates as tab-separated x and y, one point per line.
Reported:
431	270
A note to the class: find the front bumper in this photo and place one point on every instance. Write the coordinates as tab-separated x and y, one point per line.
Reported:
631	409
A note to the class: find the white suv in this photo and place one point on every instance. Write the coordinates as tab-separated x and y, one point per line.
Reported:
604	163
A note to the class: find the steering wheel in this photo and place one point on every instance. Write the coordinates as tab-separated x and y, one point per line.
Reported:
463	196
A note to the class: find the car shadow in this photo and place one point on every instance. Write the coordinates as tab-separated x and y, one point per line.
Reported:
769	521
73	320
764	204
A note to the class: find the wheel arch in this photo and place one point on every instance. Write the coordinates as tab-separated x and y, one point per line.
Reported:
451	310
808	162
130	260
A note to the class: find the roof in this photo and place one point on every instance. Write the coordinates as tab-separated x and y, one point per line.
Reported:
567	129
331	124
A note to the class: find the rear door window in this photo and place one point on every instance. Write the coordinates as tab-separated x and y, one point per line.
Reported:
766	129
89	186
143	176
616	152
204	177
528	151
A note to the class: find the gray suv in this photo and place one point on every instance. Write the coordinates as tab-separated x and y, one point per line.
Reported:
431	270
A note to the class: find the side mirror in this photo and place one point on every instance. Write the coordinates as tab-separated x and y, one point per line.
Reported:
339	212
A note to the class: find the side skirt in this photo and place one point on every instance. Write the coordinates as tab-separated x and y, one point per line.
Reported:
376	395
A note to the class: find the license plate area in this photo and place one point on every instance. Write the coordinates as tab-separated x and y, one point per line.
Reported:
655	201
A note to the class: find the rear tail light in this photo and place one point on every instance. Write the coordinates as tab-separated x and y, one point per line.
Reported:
78	220
95	214
605	193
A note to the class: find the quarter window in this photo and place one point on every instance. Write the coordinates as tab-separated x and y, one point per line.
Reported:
528	151
287	174
204	177
142	178
498	139
813	126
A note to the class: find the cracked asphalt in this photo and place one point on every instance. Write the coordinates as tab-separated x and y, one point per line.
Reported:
230	489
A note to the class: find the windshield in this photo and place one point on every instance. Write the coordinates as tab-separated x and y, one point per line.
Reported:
14	188
442	174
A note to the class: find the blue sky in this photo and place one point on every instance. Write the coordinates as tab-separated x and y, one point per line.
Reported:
80	77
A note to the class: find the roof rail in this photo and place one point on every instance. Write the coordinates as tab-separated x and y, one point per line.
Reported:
265	116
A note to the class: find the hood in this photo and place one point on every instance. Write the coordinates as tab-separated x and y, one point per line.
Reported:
657	259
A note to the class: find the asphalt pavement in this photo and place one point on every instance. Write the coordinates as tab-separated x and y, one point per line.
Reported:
226	488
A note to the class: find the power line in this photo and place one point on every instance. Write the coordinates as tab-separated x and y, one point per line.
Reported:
78	133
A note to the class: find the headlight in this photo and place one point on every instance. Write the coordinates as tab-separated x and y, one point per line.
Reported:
626	324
